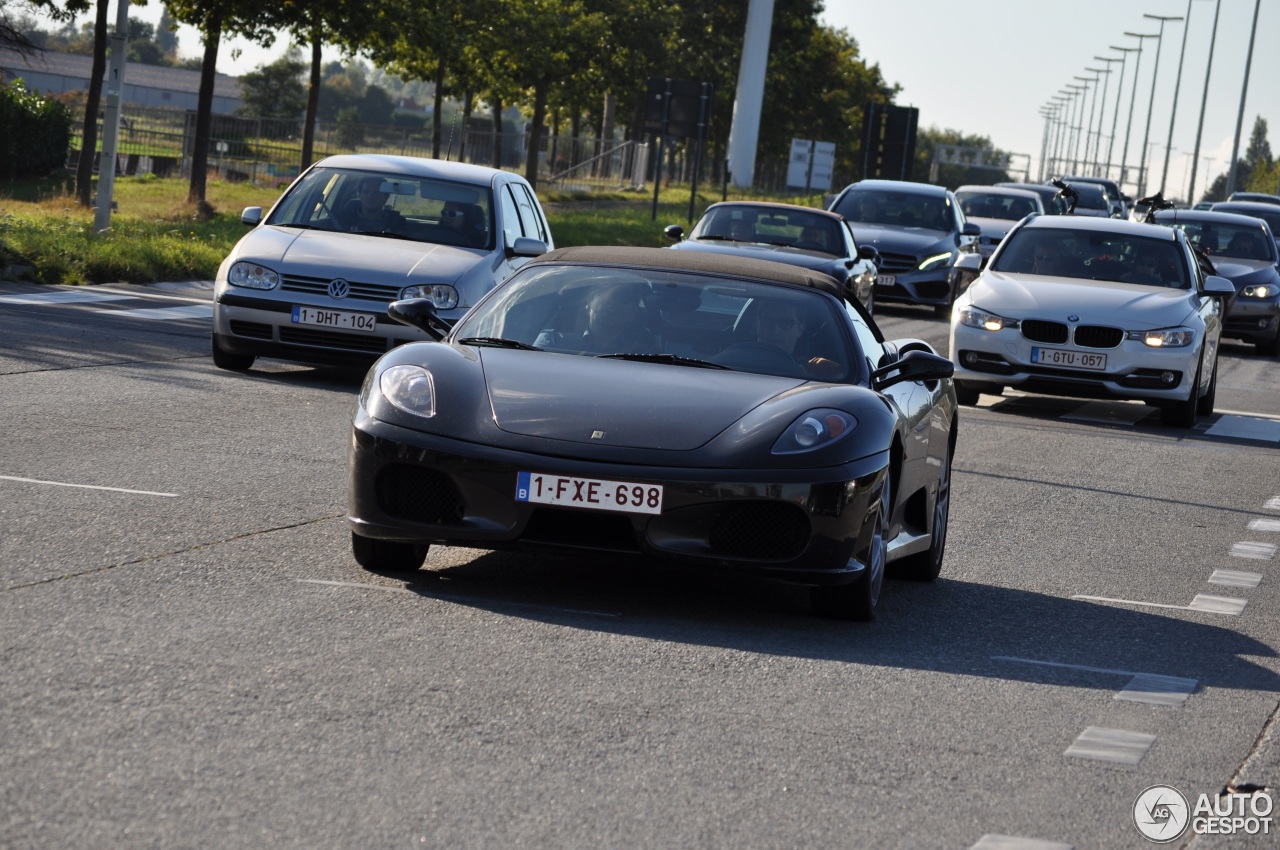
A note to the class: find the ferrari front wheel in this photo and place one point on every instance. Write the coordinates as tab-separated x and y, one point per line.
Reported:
387	556
857	600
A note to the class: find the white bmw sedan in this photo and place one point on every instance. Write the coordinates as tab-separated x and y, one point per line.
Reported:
1093	308
312	280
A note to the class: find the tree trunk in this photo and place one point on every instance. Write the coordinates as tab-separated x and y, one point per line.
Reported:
204	114
436	108
467	100
535	132
497	130
89	135
313	104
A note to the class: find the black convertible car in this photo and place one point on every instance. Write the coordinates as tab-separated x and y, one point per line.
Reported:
715	410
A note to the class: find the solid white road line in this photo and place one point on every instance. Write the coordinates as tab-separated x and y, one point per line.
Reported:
193	311
1202	602
1151	688
87	486
449	597
63	296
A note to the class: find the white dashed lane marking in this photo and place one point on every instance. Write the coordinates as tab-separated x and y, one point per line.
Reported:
1202	602
1265	525
1151	688
1119	746
1248	549
1235	578
1011	842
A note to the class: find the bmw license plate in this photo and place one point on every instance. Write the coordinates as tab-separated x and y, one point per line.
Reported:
365	323
625	496
885	280
1069	359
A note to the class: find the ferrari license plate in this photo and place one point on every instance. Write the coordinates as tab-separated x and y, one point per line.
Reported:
365	323
625	496
1069	359
885	280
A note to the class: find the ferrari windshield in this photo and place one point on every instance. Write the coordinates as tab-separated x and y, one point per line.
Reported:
1093	255
675	317
388	204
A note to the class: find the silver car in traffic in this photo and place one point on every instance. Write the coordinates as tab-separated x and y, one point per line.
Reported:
311	282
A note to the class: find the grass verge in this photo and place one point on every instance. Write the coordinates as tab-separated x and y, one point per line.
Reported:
156	235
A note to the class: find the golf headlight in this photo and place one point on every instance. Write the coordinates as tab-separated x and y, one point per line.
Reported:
816	429
410	389
1166	338
252	276
974	318
936	261
1262	290
441	295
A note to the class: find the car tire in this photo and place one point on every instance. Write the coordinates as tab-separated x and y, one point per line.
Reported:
857	600
966	394
1182	414
388	556
926	565
1205	406
229	360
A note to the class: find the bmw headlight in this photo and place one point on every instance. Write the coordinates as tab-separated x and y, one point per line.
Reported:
816	429
1262	290
252	275
441	295
411	389
1165	338
974	318
936	261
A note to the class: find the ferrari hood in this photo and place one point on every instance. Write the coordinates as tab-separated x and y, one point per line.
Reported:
370	259
619	403
1021	296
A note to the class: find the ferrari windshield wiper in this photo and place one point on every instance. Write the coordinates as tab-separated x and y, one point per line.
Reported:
670	359
498	342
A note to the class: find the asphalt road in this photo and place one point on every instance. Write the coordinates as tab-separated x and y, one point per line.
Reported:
189	656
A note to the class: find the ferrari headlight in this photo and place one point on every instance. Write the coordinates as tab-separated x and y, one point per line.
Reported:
253	276
816	429
1262	290
441	295
1165	338
937	260
411	389
974	318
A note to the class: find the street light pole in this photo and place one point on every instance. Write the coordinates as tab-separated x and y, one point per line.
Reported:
1168	145
1155	75
1094	137
1102	112
1142	38
1244	89
1124	55
1062	100
1085	128
1076	112
1204	98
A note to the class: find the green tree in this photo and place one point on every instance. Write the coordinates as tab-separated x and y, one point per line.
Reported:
252	19
274	89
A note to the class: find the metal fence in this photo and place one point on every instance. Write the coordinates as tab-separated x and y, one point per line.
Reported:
267	152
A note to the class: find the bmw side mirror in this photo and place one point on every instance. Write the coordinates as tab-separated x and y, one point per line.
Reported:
419	313
913	366
251	216
674	232
1219	287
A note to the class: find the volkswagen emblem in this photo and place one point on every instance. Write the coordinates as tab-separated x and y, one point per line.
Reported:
1072	318
339	288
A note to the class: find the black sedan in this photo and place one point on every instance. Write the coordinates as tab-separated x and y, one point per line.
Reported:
717	411
785	233
1243	250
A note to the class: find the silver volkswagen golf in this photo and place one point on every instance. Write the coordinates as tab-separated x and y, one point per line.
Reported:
311	282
